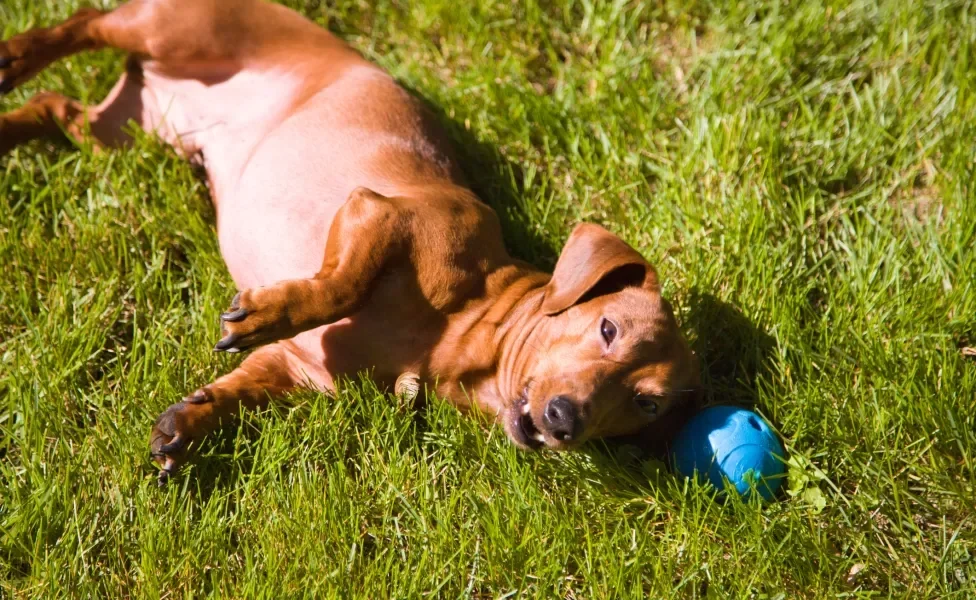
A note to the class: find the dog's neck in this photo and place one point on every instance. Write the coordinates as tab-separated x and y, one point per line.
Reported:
517	337
482	355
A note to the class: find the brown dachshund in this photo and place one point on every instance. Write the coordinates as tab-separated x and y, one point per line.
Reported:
345	219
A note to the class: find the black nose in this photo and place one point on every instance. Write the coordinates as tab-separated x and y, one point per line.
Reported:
560	419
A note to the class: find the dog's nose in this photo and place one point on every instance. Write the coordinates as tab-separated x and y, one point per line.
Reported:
560	419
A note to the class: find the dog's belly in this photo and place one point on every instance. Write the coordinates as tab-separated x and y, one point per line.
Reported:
282	159
275	211
276	199
274	223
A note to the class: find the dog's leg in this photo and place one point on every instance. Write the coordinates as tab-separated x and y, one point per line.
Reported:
172	36
52	115
263	376
366	232
45	115
27	54
168	32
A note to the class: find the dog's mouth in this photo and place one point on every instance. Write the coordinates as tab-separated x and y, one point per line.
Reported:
521	428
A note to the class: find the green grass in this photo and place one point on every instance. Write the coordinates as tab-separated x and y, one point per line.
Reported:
801	174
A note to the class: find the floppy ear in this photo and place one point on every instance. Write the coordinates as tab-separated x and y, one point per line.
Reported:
595	262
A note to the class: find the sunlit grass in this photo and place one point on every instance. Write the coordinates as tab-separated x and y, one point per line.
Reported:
802	177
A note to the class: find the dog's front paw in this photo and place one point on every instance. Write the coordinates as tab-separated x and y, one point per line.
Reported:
176	430
255	317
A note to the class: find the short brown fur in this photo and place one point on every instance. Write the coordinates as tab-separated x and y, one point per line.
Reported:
357	244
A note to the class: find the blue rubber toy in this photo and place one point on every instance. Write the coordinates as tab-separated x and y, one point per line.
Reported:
729	443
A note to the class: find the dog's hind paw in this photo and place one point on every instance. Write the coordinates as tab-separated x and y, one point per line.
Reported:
175	430
19	60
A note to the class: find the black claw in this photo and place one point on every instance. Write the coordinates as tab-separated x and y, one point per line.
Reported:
163	478
176	444
227	343
233	317
6	86
6	61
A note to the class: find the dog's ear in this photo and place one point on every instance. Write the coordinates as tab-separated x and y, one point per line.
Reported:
595	262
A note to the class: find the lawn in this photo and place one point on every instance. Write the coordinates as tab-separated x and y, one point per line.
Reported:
802	175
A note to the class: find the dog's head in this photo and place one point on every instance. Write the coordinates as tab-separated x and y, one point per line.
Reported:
605	356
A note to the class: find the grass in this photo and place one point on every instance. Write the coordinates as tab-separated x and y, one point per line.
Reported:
802	175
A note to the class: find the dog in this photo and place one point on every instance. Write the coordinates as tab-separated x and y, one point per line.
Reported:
355	241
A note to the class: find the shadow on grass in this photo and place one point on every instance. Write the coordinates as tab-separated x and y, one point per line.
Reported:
499	183
733	351
217	466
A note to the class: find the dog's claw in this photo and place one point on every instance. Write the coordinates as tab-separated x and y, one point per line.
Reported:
228	344
6	86
164	474
234	316
170	426
177	444
6	61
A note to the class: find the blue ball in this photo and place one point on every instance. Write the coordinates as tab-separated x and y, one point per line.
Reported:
729	443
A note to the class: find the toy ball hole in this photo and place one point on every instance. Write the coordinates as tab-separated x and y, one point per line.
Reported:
755	423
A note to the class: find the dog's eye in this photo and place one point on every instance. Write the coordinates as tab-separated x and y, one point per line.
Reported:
608	330
647	403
